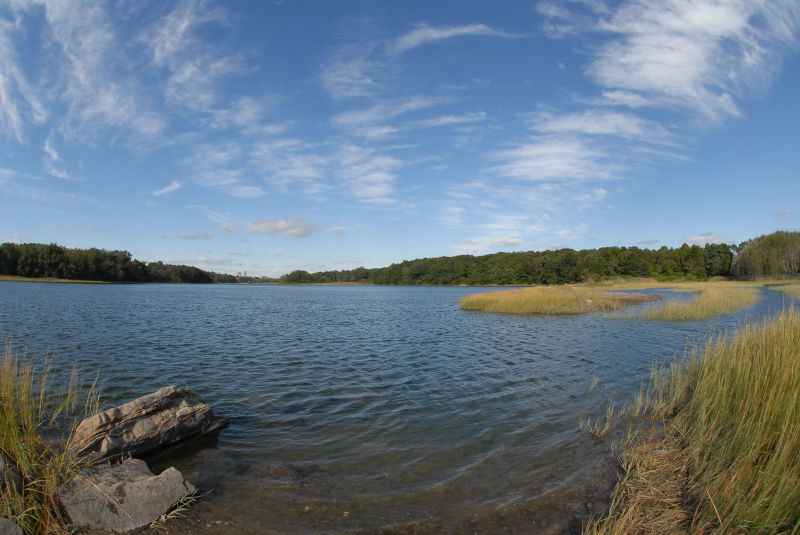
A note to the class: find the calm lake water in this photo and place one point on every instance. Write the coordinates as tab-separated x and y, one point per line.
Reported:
355	407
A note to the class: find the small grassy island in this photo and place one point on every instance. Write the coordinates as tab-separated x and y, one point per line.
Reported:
552	300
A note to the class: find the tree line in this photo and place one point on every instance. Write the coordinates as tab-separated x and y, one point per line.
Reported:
774	255
37	260
539	267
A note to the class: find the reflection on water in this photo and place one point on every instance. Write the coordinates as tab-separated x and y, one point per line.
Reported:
362	407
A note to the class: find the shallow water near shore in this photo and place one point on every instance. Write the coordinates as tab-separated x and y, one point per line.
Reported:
359	408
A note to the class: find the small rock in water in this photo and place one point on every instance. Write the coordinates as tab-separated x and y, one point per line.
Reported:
124	498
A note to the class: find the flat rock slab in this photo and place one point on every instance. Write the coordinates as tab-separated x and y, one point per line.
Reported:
147	423
7	527
123	498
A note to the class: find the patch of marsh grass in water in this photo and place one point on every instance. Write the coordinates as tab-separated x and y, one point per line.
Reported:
711	302
551	300
729	460
792	290
35	469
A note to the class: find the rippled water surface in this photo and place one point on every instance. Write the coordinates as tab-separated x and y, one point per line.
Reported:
357	407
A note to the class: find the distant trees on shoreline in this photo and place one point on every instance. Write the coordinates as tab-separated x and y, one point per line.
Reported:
36	260
774	255
539	267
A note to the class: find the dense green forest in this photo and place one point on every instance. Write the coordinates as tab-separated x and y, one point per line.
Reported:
38	260
543	267
774	255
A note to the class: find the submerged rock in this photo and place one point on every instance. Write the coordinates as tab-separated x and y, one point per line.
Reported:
147	423
123	498
7	527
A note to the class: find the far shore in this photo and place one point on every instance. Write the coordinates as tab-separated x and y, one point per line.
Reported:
15	278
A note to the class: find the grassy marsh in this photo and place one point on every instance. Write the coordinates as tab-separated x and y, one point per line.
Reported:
728	461
792	290
551	300
35	469
713	301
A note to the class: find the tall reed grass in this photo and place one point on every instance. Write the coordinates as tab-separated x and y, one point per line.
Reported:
730	459
551	300
32	404
713	301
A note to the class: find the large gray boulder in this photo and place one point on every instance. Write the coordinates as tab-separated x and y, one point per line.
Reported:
122	498
152	421
7	527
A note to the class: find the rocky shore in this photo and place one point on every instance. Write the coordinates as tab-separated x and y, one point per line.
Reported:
117	492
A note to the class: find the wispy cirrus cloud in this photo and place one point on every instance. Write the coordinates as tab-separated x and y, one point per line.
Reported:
298	227
547	158
696	55
224	220
368	175
172	187
660	69
424	34
198	236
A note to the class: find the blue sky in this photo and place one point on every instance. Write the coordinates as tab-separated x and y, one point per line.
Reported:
271	136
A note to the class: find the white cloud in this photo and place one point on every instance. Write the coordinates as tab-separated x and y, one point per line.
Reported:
199	236
385	110
15	239
426	34
20	101
352	70
99	90
555	158
600	122
173	186
223	219
447	120
705	239
698	55
486	244
784	213
452	214
339	230
368	175
298	227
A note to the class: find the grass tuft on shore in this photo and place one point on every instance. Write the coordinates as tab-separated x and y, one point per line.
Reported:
711	302
551	300
729	462
34	469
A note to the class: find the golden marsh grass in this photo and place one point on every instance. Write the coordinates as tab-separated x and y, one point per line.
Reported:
792	290
551	300
713	301
729	462
36	469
